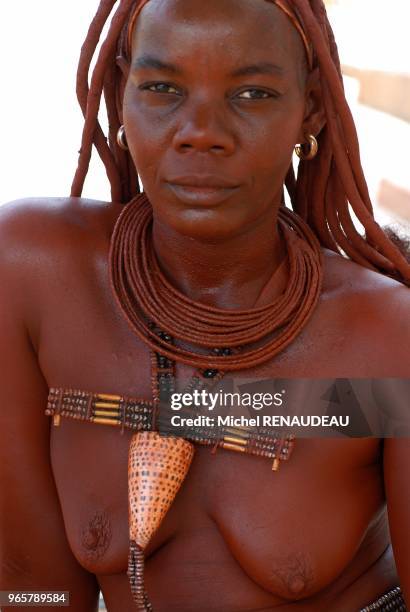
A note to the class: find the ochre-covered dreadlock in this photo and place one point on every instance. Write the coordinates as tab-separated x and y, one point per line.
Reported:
325	190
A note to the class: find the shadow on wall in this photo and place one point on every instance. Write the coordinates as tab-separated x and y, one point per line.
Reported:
385	91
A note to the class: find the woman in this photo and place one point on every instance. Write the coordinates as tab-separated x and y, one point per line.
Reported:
213	97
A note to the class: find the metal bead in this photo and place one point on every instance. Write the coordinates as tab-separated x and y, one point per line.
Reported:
209	373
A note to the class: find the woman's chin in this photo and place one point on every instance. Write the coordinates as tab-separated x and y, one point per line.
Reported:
204	223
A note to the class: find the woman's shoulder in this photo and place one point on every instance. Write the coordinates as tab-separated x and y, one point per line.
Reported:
345	278
47	220
372	308
38	234
47	246
34	230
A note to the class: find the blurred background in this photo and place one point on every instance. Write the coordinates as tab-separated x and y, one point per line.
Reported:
374	47
41	122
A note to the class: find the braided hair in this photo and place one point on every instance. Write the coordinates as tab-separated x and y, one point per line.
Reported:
326	190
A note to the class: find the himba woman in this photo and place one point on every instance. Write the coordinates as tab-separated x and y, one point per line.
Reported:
105	306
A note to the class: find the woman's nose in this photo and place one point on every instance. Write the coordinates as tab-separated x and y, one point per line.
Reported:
204	128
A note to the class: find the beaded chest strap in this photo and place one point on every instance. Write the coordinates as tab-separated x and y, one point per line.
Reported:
142	415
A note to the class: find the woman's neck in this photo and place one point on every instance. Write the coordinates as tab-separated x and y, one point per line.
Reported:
232	273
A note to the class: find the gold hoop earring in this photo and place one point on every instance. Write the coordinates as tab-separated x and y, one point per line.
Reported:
314	148
121	139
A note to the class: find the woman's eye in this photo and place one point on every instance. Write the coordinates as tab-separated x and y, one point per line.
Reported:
162	88
254	94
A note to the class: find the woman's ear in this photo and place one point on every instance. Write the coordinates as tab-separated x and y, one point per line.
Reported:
123	70
315	117
123	65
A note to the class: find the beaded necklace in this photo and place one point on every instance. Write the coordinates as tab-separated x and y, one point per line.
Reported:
144	294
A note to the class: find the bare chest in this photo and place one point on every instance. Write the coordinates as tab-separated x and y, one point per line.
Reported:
231	509
234	501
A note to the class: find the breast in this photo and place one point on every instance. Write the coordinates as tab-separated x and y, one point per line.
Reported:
295	531
90	465
291	532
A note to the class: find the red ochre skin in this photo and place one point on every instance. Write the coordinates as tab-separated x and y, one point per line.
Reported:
312	537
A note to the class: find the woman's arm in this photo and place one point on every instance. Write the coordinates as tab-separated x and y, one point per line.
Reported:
35	554
395	352
397	482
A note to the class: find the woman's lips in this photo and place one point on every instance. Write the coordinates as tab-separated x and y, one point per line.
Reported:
209	195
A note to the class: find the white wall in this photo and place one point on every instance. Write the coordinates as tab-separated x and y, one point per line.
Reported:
41	122
373	34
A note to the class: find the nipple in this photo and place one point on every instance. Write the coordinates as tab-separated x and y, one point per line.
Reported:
297	585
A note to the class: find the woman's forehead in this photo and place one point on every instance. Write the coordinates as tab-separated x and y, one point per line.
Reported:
206	8
239	26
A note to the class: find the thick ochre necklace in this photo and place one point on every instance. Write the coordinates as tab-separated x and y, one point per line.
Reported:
144	295
158	313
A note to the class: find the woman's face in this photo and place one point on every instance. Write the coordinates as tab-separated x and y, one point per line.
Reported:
214	105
